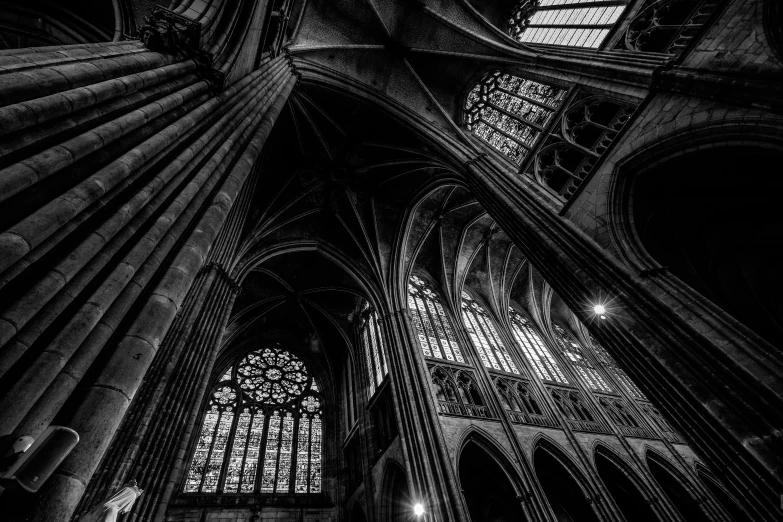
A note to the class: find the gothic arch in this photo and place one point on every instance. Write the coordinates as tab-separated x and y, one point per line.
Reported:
724	498
395	495
484	440
761	133
490	488
680	491
625	499
563	482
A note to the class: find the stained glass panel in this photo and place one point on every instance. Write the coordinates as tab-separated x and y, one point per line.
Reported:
432	326
575	356
482	332
575	23
510	112
237	438
611	366
375	349
541	359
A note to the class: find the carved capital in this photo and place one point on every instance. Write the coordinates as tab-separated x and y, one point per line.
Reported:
167	31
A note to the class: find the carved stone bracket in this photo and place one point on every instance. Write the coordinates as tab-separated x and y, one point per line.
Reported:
474	160
218	268
165	31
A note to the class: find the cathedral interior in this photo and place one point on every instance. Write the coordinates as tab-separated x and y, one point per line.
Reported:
391	260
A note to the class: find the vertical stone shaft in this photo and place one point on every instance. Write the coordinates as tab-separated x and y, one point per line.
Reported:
105	399
726	416
433	475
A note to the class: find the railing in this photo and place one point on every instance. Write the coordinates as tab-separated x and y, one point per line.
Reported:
465	410
592	426
632	431
521	417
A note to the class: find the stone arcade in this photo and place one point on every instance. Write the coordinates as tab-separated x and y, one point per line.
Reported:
326	260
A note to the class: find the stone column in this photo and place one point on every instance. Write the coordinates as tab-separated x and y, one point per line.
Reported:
152	441
723	390
433	479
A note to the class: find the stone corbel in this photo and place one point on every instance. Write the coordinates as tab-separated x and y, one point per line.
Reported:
165	31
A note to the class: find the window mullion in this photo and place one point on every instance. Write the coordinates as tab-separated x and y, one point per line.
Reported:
526	98
516	117
294	450
507	134
262	452
211	447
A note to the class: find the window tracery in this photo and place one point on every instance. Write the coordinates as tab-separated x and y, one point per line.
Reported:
668	26
609	363
261	431
573	23
541	359
374	348
574	354
521	401
457	392
510	113
575	409
490	347
432	326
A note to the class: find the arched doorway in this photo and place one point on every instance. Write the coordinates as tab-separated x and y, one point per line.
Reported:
489	494
674	489
396	504
711	218
724	499
564	494
624	490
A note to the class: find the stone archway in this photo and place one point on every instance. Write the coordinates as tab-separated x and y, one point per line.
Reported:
488	491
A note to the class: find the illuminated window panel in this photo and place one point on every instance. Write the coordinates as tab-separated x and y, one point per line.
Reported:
541	359
574	354
374	349
611	366
573	23
433	328
490	347
510	113
242	448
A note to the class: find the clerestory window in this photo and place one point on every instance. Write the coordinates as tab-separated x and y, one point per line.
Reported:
541	359
574	354
436	335
611	366
262	431
490	347
574	23
374	349
510	113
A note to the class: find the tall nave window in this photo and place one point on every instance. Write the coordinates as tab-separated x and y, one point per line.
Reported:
575	23
611	366
510	113
374	348
432	326
490	347
541	359
261	432
575	356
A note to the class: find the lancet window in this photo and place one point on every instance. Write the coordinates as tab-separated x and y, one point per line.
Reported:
374	349
510	113
436	335
541	359
490	347
611	366
574	23
262	431
575	356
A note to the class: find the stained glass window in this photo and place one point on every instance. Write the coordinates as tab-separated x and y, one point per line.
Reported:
611	366
261	431
575	23
374	349
510	113
432	326
490	347
574	354
541	359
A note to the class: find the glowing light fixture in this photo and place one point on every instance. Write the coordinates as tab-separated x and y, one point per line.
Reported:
599	309
418	510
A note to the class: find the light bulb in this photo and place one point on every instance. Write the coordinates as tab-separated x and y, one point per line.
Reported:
599	309
418	510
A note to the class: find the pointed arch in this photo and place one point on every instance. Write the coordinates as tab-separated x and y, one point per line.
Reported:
395	503
631	495
563	482
678	488
489	484
724	498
